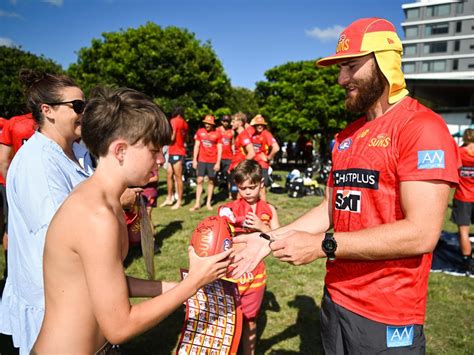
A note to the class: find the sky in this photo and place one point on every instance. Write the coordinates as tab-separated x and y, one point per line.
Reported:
248	36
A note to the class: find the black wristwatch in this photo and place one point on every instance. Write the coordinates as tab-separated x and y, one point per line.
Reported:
329	246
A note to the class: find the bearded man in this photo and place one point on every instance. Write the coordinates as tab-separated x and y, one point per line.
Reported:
384	208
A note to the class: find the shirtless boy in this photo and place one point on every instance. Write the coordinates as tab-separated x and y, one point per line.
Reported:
86	290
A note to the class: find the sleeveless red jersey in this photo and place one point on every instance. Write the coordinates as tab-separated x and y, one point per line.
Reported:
226	139
262	143
208	147
465	190
180	126
370	159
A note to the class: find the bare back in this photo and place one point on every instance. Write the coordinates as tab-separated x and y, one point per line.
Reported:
86	229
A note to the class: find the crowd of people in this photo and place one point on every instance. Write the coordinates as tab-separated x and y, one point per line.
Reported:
385	203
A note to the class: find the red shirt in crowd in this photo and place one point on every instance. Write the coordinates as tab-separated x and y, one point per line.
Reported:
208	145
180	127
227	136
18	130
465	190
262	143
370	160
241	141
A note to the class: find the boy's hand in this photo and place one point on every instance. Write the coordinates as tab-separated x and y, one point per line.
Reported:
252	221
204	270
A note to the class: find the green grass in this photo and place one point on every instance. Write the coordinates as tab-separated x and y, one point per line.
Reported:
289	320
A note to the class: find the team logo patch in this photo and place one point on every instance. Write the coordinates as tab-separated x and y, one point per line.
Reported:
400	336
342	44
363	133
227	244
364	178
345	144
348	200
430	159
382	140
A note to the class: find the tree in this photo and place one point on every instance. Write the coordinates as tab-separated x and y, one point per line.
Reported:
242	99
12	97
299	97
170	65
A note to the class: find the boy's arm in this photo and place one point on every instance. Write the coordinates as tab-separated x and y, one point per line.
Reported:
101	257
147	288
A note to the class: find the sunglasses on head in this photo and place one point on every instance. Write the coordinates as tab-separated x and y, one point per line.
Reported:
77	105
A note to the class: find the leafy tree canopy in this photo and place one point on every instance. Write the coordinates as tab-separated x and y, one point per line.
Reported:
299	97
12	98
168	64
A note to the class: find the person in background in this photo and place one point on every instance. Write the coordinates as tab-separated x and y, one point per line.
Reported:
177	155
41	175
16	131
463	201
243	147
207	156
386	200
250	213
265	146
227	134
86	291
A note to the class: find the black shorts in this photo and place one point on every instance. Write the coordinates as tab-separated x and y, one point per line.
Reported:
206	169
225	164
173	159
4	205
463	213
344	332
266	177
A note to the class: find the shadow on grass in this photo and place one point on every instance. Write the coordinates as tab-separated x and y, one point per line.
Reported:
135	251
161	339
307	327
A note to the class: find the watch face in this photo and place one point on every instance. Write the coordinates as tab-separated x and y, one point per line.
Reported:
329	245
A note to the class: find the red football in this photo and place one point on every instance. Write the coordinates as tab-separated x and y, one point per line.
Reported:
211	236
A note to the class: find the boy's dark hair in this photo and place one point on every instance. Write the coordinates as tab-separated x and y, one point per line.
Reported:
468	136
42	88
248	169
177	111
123	113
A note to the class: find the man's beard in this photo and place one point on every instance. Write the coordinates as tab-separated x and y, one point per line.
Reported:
369	91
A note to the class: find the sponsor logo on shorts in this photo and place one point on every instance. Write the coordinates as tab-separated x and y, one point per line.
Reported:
400	336
382	140
348	200
430	159
364	178
345	144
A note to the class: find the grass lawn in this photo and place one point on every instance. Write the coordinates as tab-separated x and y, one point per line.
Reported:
289	320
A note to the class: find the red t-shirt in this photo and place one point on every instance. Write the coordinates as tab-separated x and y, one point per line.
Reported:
465	190
227	136
262	143
242	140
3	121
17	131
208	145
370	159
180	126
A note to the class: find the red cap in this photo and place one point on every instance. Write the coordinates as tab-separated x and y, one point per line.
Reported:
362	37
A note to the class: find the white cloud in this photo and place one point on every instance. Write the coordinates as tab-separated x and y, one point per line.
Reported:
54	2
326	34
9	14
6	42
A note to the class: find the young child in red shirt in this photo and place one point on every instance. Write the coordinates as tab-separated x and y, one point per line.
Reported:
249	214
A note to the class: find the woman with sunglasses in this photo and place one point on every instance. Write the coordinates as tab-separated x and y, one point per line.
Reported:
42	174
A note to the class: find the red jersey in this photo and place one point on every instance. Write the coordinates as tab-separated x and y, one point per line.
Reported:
3	121
227	136
235	212
180	127
262	143
465	190
242	140
208	147
18	130
370	159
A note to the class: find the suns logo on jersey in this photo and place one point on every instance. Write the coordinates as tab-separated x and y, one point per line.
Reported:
382	140
265	218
